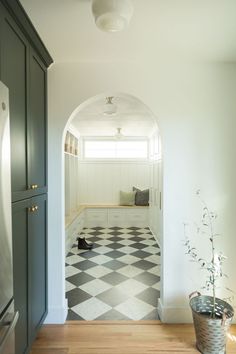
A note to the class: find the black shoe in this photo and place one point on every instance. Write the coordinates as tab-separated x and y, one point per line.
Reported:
83	245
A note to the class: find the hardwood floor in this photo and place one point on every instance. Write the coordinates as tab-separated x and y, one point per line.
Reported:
120	337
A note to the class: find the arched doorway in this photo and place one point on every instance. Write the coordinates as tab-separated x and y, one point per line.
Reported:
132	261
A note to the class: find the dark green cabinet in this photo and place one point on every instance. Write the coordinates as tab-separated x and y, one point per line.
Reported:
20	251
24	73
13	74
23	68
37	246
30	285
37	124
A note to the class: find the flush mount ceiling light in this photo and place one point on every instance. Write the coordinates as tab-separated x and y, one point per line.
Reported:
119	135
112	15
109	108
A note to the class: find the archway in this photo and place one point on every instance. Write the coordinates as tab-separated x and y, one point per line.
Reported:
176	92
155	162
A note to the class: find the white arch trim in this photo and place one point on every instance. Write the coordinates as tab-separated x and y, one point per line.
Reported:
75	112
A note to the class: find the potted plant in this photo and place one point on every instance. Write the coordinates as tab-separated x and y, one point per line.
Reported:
211	316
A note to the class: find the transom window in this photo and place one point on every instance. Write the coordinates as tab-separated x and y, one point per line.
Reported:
116	149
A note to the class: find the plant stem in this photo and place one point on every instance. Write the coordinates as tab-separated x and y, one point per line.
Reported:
213	260
213	263
214	298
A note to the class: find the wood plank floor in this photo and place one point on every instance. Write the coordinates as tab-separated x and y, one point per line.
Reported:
120	337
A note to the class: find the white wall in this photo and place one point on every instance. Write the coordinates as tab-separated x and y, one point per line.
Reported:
156	186
101	182
195	106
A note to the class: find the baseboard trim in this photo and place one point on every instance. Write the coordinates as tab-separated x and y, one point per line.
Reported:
174	314
57	315
114	322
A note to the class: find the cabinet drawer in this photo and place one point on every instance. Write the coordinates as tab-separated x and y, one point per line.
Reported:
137	218
71	229
96	218
79	225
79	220
116	217
137	214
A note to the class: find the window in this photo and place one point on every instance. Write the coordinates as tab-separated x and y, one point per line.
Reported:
112	149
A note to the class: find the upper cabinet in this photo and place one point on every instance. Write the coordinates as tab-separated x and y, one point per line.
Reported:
37	125
24	72
13	73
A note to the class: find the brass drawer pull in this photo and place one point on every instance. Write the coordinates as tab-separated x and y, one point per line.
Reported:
33	209
34	186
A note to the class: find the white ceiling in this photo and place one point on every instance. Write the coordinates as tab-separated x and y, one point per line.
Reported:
200	29
159	29
132	117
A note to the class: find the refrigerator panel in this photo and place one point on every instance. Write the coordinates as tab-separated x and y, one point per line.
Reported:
7	330
6	271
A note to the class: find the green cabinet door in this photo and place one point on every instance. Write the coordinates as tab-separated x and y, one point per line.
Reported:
29	267
20	271
13	74
37	246
37	124
24	74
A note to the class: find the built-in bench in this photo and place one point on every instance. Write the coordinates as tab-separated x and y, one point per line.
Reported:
104	216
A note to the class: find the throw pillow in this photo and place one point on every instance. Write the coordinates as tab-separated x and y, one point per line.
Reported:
141	197
127	198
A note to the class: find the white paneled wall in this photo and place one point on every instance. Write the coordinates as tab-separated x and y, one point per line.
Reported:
67	184
156	187
100	182
71	184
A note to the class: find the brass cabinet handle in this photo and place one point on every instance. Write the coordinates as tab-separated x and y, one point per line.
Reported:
33	209
33	186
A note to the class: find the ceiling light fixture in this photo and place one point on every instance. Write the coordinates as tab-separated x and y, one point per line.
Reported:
109	108
119	135
112	15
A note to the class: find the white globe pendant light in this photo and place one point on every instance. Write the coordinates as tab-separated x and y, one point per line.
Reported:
118	134
109	108
112	15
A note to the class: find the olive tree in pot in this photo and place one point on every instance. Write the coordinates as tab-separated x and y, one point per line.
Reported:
212	316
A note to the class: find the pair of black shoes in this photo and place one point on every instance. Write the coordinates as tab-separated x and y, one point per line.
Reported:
83	244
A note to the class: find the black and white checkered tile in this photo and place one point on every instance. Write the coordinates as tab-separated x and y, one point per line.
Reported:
119	279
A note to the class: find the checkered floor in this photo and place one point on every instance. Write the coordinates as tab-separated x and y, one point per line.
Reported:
119	279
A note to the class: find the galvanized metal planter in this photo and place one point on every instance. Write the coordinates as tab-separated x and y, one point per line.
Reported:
211	333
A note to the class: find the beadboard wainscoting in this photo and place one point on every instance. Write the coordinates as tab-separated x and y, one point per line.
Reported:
100	182
72	200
